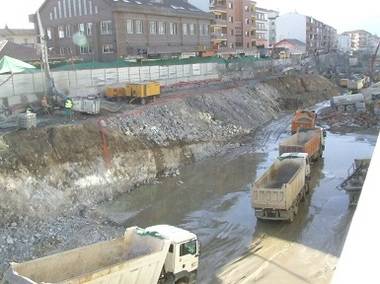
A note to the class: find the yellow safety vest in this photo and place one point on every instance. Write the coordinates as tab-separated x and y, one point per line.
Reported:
69	104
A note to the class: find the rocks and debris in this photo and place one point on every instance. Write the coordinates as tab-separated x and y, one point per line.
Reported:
346	121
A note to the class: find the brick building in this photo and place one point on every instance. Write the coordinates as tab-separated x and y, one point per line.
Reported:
234	25
104	30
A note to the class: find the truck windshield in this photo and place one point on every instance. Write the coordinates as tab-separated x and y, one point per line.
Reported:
188	248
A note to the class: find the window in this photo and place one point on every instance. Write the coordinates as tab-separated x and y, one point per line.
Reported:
173	28
232	32
62	51
81	28
106	27
161	28
129	27
61	32
247	21
89	29
108	48
188	248
184	29
230	5
85	49
48	33
68	31
230	19
206	29
192	29
139	27
153	28
246	8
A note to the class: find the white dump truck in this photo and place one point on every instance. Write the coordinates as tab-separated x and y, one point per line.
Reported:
277	193
159	254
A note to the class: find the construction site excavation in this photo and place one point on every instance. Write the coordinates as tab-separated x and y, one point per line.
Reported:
152	142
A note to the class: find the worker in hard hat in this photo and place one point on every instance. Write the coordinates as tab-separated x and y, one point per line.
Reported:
69	104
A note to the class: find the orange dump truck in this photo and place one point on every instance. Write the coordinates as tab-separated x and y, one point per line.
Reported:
311	141
303	119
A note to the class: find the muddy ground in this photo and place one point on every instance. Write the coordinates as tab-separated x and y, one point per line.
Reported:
53	178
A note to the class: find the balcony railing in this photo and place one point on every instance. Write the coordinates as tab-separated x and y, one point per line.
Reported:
218	5
219	35
219	22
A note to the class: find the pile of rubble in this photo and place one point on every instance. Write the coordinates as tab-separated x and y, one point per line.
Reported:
347	121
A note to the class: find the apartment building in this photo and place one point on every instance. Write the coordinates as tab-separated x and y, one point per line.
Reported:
104	30
344	43
360	40
233	28
26	37
266	27
317	36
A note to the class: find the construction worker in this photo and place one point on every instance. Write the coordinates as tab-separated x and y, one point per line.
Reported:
46	108
69	104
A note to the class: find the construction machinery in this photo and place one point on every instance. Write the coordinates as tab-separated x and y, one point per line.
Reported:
355	179
303	119
310	141
277	194
159	254
137	92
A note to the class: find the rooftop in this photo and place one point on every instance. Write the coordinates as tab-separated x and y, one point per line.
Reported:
169	6
14	32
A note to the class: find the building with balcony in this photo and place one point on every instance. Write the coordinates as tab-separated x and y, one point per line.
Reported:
233	28
318	37
361	40
105	30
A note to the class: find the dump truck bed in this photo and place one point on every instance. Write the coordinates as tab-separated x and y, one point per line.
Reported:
308	141
132	259
303	120
280	185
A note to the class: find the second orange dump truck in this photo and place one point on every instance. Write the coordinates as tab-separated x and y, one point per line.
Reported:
310	141
303	119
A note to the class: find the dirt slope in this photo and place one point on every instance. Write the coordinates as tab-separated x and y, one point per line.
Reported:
45	172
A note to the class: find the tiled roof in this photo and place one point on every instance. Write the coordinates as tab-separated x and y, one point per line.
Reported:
292	41
14	32
18	51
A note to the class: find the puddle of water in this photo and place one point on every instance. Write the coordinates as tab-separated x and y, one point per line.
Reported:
212	199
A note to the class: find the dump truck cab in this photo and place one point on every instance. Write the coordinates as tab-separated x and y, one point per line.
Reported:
181	263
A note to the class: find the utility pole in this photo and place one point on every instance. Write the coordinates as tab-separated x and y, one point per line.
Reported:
373	61
45	57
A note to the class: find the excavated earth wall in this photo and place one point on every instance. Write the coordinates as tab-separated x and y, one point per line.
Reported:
50	171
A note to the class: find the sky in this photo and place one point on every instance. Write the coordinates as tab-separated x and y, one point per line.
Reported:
342	14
